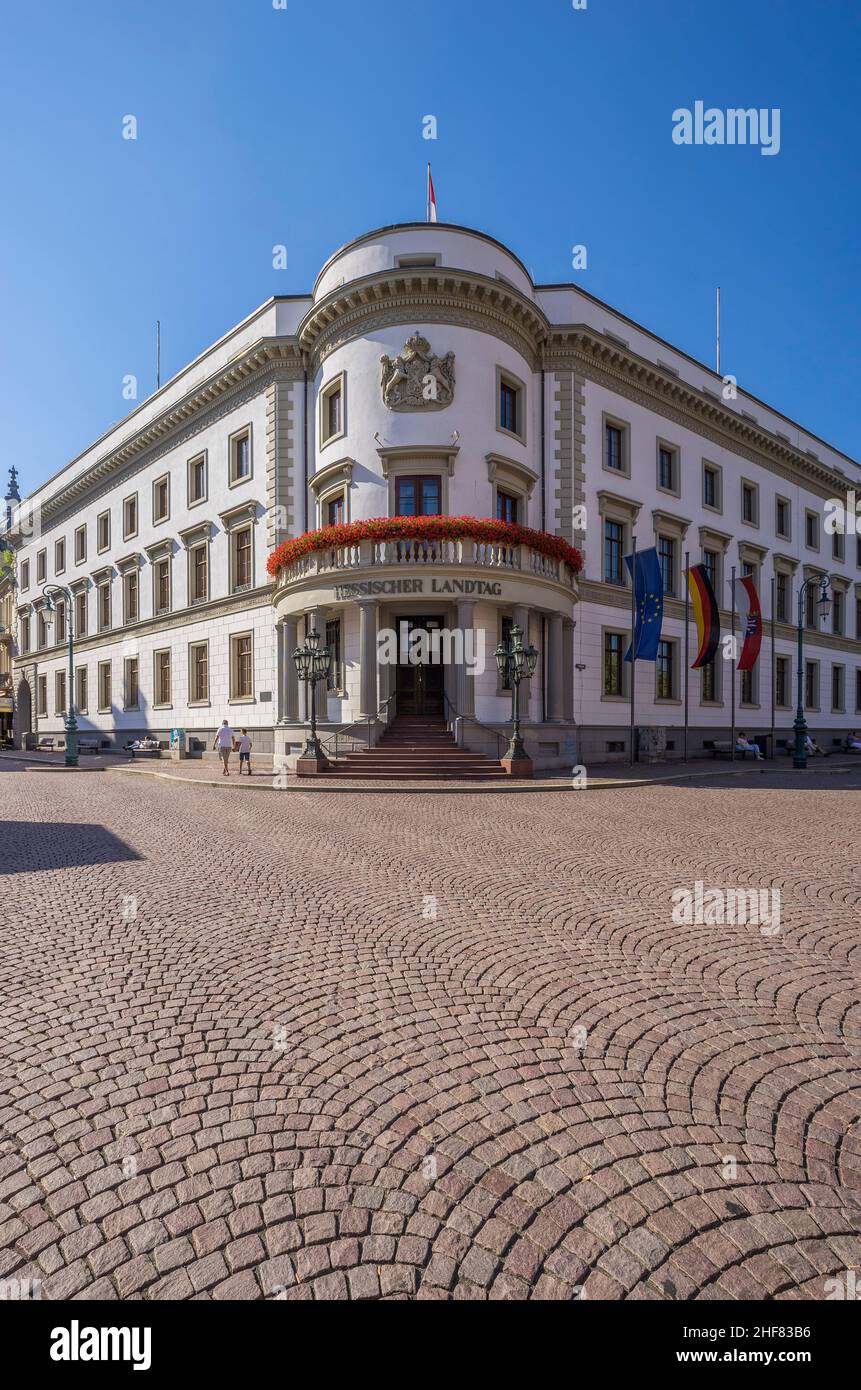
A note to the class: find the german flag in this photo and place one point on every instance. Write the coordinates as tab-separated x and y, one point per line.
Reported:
706	614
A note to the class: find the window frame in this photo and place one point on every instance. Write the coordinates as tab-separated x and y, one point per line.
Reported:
624	638
623	426
247	635
515	384
80	544
201	458
745	485
786	502
162	481
60	555
198	701
235	533
336	386
192	572
663	446
158	611
127	663
234	479
157	701
82	702
103	516
132	499
105	667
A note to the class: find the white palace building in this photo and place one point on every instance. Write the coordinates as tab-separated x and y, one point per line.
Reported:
426	375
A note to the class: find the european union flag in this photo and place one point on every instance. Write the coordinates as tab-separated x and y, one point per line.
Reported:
645	569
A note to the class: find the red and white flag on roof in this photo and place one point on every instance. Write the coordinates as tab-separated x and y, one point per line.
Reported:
750	613
431	197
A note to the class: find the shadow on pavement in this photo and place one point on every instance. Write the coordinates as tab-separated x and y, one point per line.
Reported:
28	847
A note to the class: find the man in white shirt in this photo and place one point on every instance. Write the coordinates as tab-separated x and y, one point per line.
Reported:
224	746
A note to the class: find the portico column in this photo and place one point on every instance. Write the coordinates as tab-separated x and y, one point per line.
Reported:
465	682
368	698
520	617
568	626
288	676
555	698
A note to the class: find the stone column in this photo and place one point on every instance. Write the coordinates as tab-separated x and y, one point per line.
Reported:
465	684
520	616
288	679
368	698
568	626
555	658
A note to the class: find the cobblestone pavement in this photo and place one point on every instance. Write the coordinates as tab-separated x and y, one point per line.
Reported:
426	1046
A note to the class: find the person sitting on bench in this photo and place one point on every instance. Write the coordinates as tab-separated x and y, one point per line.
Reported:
812	749
744	745
853	743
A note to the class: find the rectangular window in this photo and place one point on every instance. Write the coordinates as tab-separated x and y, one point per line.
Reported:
420	496
105	695
750	503
667	561
614	669
711	487
783	518
781	682
130	596
198	655
614	542
161	586
81	689
709	690
837	688
838	609
811	604
81	614
130	517
781	590
748	689
25	633
242	554
60	556
25	575
508	402
614	448
161	499
80	545
711	565
41	566
103	532
838	545
131	687
199	562
104	607
42	696
240	457
811	684
811	530
60	693
335	511
667	470
506	506
197	480
242	675
858	619
858	691
60	612
41	631
333	642
665	671
332	410
161	677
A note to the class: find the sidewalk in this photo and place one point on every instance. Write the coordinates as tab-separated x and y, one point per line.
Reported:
605	777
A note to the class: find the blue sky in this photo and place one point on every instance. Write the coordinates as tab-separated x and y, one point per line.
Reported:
303	126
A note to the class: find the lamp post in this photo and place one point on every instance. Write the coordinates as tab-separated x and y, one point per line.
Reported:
71	758
313	663
823	605
516	663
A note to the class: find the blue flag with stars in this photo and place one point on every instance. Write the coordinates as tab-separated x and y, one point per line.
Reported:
645	569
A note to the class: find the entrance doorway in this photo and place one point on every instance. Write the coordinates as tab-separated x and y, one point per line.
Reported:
419	684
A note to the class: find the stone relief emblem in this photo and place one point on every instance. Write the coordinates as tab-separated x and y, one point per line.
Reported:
417	379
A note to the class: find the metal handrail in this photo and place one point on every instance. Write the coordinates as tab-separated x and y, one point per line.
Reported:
501	739
358	724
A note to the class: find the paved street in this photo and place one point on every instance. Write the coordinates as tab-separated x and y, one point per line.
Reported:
395	1046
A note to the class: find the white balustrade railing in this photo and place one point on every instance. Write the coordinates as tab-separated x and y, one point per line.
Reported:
428	551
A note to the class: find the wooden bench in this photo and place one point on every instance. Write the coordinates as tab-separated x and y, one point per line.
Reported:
89	745
722	748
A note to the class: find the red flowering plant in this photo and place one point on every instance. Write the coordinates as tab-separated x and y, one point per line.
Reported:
449	528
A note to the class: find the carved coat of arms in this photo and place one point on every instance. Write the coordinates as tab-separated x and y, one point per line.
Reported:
417	379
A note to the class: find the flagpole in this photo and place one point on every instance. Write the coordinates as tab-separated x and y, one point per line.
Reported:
687	653
633	635
732	668
774	584
427	213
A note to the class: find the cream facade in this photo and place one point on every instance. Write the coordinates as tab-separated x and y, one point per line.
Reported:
425	374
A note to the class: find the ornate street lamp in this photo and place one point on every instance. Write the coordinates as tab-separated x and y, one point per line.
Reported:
313	664
70	720
516	663
823	608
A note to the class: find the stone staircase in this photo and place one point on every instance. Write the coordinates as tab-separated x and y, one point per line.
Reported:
418	749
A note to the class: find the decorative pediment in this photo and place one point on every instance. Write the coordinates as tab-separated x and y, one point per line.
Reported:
333	475
200	531
160	550
751	554
131	561
505	470
103	575
670	524
712	539
784	564
617	507
421	454
235	516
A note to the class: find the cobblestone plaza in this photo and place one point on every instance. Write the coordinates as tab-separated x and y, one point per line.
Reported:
409	1045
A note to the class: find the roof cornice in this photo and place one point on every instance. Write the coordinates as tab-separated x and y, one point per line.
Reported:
256	361
579	345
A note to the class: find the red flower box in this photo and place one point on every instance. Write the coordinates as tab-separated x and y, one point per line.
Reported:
391	528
